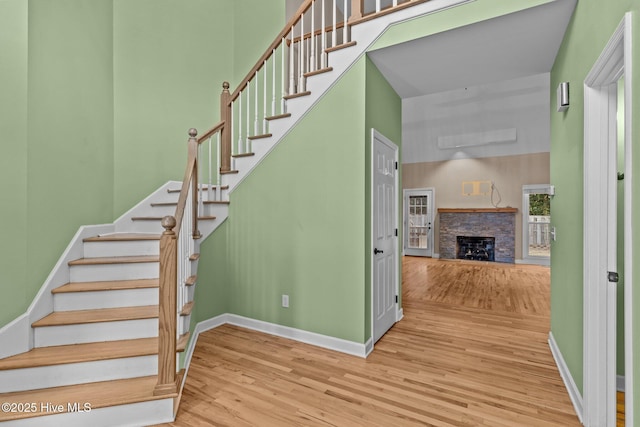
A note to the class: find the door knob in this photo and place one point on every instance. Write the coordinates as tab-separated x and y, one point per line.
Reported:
376	251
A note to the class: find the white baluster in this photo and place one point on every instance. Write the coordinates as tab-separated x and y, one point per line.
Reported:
301	87
377	6
312	51
234	150
264	98
283	49
323	61
292	79
219	149
345	27
199	177
334	34
273	83
395	3
256	121
246	146
210	167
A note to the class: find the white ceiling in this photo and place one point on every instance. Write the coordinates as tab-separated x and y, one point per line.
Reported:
504	48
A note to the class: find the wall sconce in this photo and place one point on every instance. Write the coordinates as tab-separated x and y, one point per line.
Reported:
563	96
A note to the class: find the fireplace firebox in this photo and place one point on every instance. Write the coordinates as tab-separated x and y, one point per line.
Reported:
476	248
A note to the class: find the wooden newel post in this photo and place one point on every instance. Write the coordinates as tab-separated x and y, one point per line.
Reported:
225	133
167	380
356	10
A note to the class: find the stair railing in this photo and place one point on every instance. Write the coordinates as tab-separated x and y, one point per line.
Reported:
177	247
299	50
280	74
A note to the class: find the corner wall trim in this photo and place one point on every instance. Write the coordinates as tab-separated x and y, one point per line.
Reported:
572	389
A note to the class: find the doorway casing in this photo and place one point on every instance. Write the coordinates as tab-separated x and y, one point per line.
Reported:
599	317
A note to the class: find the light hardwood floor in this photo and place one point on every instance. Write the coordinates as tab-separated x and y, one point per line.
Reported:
471	351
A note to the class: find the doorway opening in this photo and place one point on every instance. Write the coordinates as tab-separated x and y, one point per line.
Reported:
536	224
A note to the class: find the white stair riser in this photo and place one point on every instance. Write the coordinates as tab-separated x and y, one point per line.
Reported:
142	226
125	271
105	299
47	336
77	373
183	324
131	415
121	248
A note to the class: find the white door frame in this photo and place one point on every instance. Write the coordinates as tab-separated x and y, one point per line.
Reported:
377	135
599	295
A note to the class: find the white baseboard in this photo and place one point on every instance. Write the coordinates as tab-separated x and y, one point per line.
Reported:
572	389
319	340
435	255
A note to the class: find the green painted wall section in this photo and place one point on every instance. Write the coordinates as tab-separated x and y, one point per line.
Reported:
297	223
383	111
70	127
476	11
591	27
13	161
90	88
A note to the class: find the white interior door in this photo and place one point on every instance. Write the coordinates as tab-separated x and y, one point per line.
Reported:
418	220
384	238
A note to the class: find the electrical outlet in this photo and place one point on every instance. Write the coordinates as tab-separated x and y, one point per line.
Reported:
285	301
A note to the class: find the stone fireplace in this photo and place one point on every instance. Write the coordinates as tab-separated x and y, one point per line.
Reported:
489	234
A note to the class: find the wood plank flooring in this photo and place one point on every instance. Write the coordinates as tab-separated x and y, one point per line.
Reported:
471	351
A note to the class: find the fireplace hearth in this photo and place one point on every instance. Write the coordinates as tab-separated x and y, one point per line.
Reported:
476	248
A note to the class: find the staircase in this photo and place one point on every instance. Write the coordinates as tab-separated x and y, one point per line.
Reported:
110	321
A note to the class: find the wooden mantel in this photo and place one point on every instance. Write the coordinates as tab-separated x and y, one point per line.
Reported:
477	210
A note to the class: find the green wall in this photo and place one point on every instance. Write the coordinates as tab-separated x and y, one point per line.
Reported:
590	29
70	127
383	109
98	96
13	161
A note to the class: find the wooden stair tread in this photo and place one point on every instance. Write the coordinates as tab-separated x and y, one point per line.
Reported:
159	218
115	260
228	172
297	95
99	395
115	285
60	318
262	136
216	202
278	116
340	46
187	309
120	237
90	352
237	156
204	187
194	257
191	280
320	71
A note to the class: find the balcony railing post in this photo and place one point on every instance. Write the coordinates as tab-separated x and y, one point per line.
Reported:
167	319
356	10
225	133
192	152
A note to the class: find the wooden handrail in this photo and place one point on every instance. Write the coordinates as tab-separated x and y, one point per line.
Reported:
202	138
293	21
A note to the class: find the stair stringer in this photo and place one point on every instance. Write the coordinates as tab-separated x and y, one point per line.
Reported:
365	34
